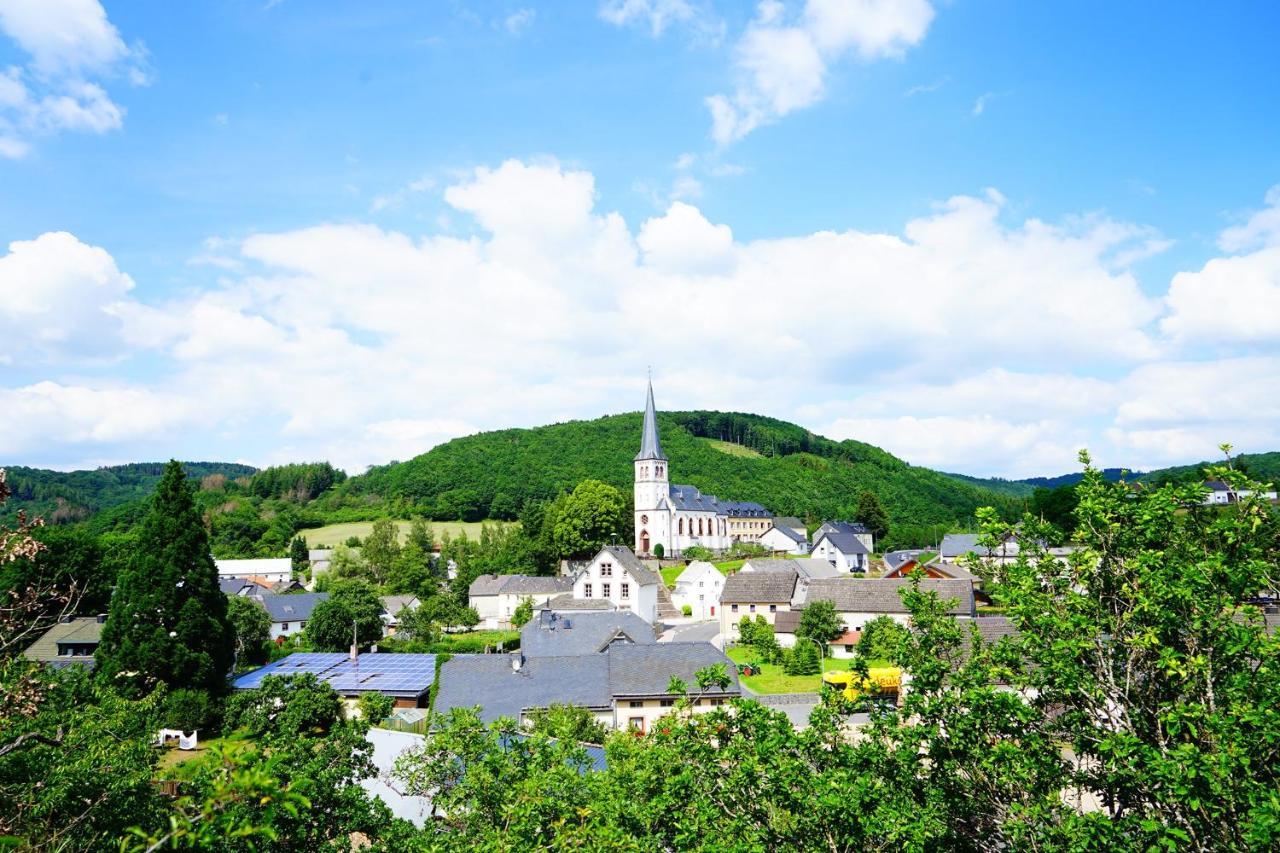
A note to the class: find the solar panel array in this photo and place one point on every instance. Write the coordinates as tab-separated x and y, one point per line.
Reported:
396	674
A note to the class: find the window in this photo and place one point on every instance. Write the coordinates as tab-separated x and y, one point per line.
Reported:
666	703
586	590
284	626
644	519
717	702
604	590
636	724
848	649
773	608
700	584
701	597
733	608
302	625
636	703
680	526
753	608
626	590
606	571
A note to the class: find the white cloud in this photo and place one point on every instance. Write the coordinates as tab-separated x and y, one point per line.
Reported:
656	14
980	104
57	298
782	67
519	21
363	344
398	197
72	47
1262	228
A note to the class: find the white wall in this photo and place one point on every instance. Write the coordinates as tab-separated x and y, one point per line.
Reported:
699	587
641	600
775	540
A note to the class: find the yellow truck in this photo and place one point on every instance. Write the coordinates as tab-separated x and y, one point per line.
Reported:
881	683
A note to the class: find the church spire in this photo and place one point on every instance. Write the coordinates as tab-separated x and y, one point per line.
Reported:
650	447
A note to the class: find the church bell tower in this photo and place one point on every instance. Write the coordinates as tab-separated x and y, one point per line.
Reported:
651	486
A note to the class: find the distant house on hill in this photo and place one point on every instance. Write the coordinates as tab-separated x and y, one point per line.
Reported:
71	642
1223	493
747	521
496	597
271	570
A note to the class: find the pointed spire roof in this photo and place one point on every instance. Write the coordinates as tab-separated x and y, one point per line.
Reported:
650	447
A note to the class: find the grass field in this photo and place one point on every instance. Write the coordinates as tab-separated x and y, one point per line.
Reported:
774	680
733	449
336	534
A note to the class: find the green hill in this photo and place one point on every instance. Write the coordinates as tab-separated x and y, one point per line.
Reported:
63	496
783	466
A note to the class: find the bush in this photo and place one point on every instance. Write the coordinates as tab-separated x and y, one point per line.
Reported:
882	637
687	610
697	552
192	709
375	707
352	542
802	660
659	551
748	549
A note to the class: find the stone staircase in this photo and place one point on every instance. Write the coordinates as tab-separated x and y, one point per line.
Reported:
666	607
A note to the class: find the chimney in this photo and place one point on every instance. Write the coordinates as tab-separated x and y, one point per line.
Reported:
517	661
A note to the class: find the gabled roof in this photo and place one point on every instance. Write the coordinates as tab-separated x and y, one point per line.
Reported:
490	683
694	570
235	586
845	543
689	499
519	585
1217	486
843	527
558	635
295	607
646	670
789	532
786	621
805	567
80	631
626	558
650	447
393	604
881	595
759	587
958	544
789	521
566	602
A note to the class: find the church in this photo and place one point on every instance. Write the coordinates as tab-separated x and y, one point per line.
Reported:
676	517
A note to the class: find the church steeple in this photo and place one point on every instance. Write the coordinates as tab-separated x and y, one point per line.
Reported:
650	447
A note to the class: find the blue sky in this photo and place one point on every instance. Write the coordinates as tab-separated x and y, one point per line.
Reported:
981	235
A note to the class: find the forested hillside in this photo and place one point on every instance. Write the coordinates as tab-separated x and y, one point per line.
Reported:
64	496
797	473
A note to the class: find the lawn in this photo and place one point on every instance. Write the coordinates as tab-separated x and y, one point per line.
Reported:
733	449
336	534
774	680
669	575
182	764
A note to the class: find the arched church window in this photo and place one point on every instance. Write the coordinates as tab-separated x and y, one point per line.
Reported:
699	527
680	525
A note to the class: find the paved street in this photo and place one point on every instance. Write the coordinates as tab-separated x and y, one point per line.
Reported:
692	633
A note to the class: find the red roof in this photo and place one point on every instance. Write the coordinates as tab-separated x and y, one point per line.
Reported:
848	638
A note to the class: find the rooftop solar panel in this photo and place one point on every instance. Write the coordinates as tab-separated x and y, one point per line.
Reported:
399	674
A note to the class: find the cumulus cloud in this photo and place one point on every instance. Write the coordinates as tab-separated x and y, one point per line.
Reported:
362	344
72	47
782	64
657	15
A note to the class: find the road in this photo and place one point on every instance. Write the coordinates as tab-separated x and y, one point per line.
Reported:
693	633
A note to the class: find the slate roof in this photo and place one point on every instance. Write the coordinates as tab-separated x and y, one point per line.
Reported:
234	586
626	558
393	604
1217	486
842	527
81	630
295	607
845	543
489	682
786	621
789	521
650	446
566	602
958	544
880	595
556	635
805	567
402	675
790	532
745	509
519	585
759	587
688	498
994	628
646	670
696	569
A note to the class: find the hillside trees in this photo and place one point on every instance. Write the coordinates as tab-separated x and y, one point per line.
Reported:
381	549
252	628
872	514
299	556
351	603
168	619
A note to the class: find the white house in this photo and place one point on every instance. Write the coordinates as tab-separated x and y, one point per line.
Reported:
845	551
496	597
616	575
785	540
855	528
1223	493
755	593
698	587
272	570
289	613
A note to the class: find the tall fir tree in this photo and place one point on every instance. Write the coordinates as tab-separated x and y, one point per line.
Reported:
299	556
168	618
872	514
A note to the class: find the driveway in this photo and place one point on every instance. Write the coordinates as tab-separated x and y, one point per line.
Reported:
696	632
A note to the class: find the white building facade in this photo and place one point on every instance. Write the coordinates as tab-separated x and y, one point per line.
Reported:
616	575
698	588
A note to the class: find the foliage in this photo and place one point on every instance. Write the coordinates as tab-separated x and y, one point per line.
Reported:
299	556
758	634
659	551
1057	506
698	552
192	709
872	514
381	550
803	659
350	601
568	722
748	550
882	638
593	515
469	643
375	707
168	618
820	622
523	613
300	482
686	610
284	706
252	628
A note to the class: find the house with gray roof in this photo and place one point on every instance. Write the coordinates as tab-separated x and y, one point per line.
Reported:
237	586
784	540
555	634
496	597
859	600
618	576
70	642
844	550
853	528
762	592
625	686
289	613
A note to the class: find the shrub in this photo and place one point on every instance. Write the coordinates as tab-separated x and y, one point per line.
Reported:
192	709
697	552
659	551
375	707
687	610
352	542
